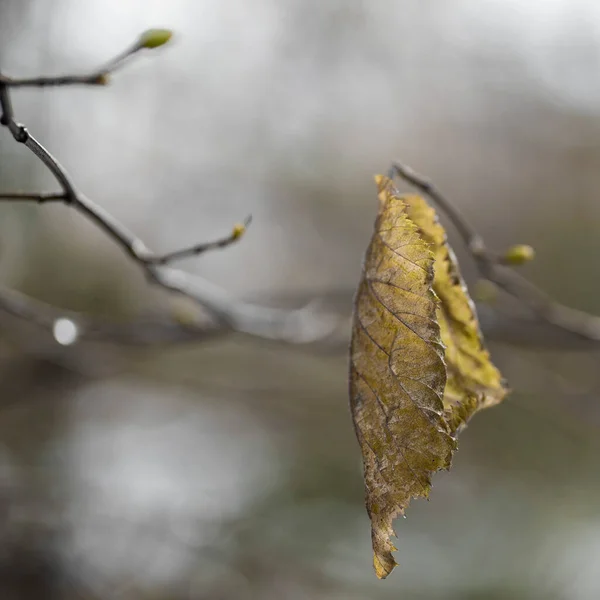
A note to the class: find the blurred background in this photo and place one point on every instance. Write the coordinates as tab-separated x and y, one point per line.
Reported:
229	469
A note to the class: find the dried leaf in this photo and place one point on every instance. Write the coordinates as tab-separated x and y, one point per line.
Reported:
473	382
418	369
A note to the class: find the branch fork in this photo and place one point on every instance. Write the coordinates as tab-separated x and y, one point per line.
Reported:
227	312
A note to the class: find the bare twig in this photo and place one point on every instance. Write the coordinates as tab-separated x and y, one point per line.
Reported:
98	76
491	267
40	198
236	234
228	313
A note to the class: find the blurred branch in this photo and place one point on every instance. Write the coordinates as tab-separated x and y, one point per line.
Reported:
28	197
494	268
152	38
228	313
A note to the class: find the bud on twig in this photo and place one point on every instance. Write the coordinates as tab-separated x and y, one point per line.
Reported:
101	79
518	255
485	291
153	38
238	231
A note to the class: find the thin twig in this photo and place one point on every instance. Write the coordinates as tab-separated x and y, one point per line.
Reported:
96	77
40	198
6	110
236	234
472	240
490	266
228	313
142	255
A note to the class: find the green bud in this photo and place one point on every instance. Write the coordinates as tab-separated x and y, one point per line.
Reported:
153	38
101	79
485	291
519	255
238	231
184	312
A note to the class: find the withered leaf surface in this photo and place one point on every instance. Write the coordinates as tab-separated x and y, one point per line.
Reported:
418	369
473	382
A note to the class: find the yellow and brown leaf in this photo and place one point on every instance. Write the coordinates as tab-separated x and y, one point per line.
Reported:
418	369
473	382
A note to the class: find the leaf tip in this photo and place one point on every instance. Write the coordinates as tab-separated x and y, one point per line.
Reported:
384	192
384	564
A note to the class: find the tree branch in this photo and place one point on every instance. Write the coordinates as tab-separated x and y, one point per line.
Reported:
152	38
493	268
40	198
228	313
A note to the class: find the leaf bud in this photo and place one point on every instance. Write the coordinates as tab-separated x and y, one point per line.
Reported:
519	255
153	38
